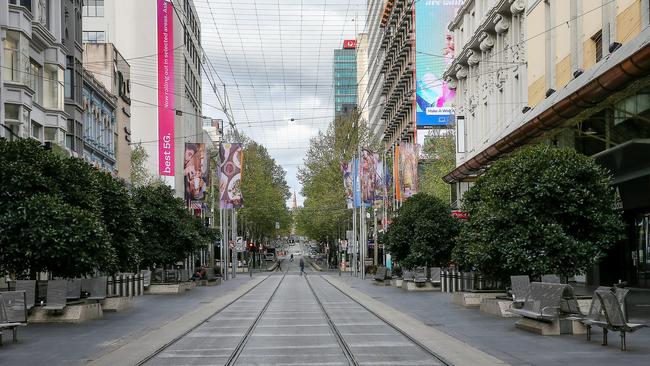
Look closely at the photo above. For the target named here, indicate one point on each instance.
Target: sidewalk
(499, 337)
(76, 344)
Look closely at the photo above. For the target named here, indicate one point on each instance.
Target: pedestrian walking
(302, 266)
(291, 259)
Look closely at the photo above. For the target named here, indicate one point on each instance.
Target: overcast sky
(275, 59)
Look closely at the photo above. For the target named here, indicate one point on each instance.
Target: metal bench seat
(57, 293)
(519, 286)
(29, 287)
(13, 312)
(96, 287)
(381, 274)
(420, 276)
(614, 317)
(547, 302)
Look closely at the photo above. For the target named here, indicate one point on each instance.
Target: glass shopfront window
(641, 253)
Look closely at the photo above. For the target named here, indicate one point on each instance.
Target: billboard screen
(230, 175)
(195, 172)
(165, 88)
(434, 48)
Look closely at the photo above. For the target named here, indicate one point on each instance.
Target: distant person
(291, 259)
(302, 266)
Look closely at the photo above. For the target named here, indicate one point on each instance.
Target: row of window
(93, 8)
(93, 37)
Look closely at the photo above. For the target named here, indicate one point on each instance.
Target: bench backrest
(611, 307)
(14, 308)
(551, 278)
(550, 299)
(146, 277)
(435, 274)
(520, 286)
(596, 310)
(158, 275)
(74, 289)
(57, 292)
(96, 287)
(407, 275)
(381, 273)
(29, 286)
(421, 274)
(183, 275)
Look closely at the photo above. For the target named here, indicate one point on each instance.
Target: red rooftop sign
(350, 43)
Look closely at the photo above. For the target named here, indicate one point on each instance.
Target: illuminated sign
(350, 43)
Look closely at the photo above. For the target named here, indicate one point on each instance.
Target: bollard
(122, 286)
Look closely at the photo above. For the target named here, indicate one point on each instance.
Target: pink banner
(165, 88)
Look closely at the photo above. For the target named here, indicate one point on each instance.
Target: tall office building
(345, 77)
(133, 27)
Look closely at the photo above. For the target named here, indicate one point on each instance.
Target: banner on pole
(408, 169)
(195, 173)
(166, 106)
(230, 175)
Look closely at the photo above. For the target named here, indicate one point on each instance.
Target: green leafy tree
(440, 153)
(169, 233)
(541, 210)
(140, 176)
(422, 233)
(121, 219)
(50, 213)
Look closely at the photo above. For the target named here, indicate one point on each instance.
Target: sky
(274, 60)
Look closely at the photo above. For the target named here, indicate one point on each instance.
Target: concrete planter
(497, 307)
(411, 286)
(396, 282)
(168, 289)
(115, 304)
(473, 299)
(70, 314)
(556, 327)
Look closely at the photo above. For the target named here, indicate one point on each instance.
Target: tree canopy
(440, 159)
(422, 233)
(541, 210)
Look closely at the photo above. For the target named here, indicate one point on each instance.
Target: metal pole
(363, 243)
(375, 256)
(354, 241)
(234, 239)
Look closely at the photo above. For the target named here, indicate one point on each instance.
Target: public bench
(547, 302)
(420, 276)
(97, 288)
(519, 286)
(381, 274)
(74, 289)
(57, 295)
(13, 312)
(614, 317)
(551, 278)
(435, 276)
(595, 316)
(29, 287)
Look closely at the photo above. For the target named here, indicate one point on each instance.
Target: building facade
(132, 27)
(32, 71)
(100, 124)
(375, 60)
(345, 77)
(362, 77)
(107, 65)
(567, 73)
(73, 86)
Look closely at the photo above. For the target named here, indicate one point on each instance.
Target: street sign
(277, 225)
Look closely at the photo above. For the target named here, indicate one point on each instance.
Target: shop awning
(627, 161)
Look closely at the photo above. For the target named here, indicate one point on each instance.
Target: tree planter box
(497, 307)
(168, 289)
(115, 304)
(396, 282)
(411, 286)
(70, 314)
(556, 327)
(473, 299)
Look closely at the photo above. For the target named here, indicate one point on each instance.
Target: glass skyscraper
(345, 78)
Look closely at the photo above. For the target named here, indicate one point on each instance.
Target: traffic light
(251, 246)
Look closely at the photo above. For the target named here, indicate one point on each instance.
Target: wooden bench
(614, 317)
(547, 302)
(13, 312)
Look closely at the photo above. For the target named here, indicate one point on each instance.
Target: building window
(12, 112)
(53, 85)
(26, 3)
(69, 86)
(16, 58)
(93, 37)
(44, 13)
(93, 8)
(37, 131)
(36, 81)
(598, 42)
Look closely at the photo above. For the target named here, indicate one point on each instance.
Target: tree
(140, 176)
(122, 222)
(422, 233)
(440, 153)
(50, 214)
(169, 233)
(541, 210)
